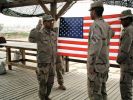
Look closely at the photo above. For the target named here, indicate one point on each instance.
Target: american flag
(74, 32)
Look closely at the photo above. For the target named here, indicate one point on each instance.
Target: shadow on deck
(21, 84)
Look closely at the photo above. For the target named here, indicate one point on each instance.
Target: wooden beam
(45, 9)
(53, 7)
(64, 8)
(20, 3)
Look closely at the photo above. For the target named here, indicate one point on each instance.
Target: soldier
(59, 60)
(59, 71)
(46, 40)
(125, 55)
(98, 54)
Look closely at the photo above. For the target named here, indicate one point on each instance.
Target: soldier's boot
(42, 97)
(61, 87)
(47, 98)
(49, 88)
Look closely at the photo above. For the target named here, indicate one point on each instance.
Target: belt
(131, 57)
(100, 63)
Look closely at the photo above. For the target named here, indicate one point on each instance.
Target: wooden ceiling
(19, 3)
(5, 4)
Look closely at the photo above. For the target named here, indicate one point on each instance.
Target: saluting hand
(39, 25)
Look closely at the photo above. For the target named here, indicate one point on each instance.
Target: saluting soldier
(125, 55)
(33, 37)
(98, 53)
(46, 40)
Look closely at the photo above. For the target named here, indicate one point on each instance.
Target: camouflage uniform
(59, 69)
(98, 59)
(33, 37)
(125, 59)
(46, 41)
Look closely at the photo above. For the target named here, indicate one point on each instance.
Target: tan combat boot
(62, 87)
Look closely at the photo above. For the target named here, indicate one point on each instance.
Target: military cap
(96, 4)
(126, 13)
(47, 17)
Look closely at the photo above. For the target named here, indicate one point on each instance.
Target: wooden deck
(21, 84)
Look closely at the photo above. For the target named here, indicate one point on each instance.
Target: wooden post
(53, 8)
(8, 53)
(67, 64)
(23, 55)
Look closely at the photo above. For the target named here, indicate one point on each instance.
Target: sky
(80, 9)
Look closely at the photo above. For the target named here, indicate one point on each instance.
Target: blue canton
(71, 27)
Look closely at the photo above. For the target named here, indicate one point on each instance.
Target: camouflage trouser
(97, 86)
(59, 68)
(45, 75)
(126, 82)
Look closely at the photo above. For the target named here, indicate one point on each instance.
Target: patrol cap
(47, 17)
(126, 13)
(96, 4)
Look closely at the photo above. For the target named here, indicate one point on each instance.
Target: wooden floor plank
(21, 84)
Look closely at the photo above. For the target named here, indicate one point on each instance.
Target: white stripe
(72, 45)
(113, 54)
(82, 46)
(112, 26)
(107, 20)
(88, 21)
(117, 33)
(86, 34)
(72, 39)
(72, 51)
(85, 27)
(113, 62)
(79, 58)
(115, 26)
(114, 47)
(112, 19)
(114, 40)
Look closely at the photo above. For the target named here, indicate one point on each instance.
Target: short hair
(99, 11)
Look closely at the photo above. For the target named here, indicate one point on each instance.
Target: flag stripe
(83, 49)
(114, 29)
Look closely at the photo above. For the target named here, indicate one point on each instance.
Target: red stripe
(114, 29)
(109, 22)
(114, 22)
(112, 58)
(83, 49)
(105, 16)
(113, 50)
(85, 37)
(72, 42)
(72, 48)
(111, 16)
(72, 55)
(86, 31)
(114, 44)
(82, 56)
(84, 43)
(87, 18)
(87, 24)
(115, 37)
